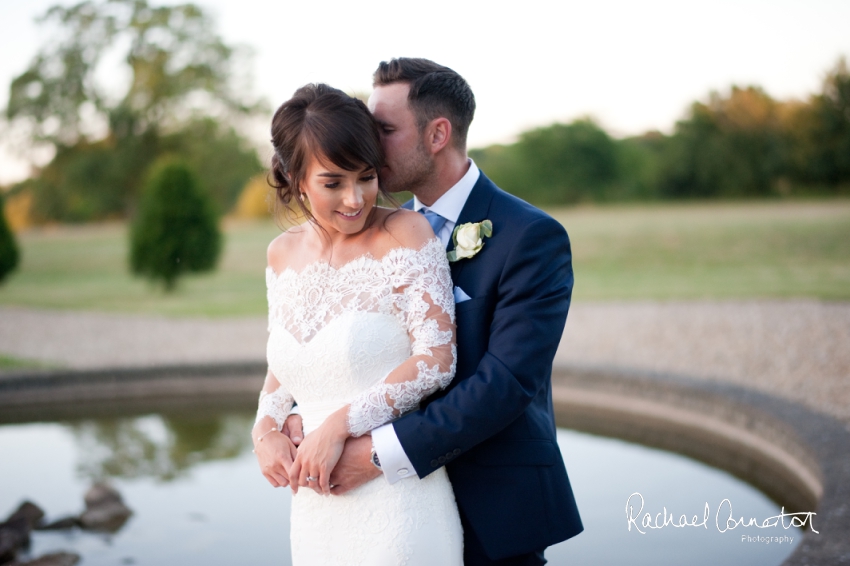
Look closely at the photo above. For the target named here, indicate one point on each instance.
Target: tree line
(164, 152)
(114, 152)
(182, 98)
(738, 144)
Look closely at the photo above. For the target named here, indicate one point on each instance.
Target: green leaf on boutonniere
(486, 228)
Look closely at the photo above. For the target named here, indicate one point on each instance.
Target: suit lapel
(475, 210)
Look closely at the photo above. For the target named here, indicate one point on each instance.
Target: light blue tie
(435, 220)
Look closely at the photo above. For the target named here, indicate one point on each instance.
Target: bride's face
(340, 200)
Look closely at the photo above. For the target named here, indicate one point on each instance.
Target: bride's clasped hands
(279, 450)
(318, 454)
(276, 451)
(288, 461)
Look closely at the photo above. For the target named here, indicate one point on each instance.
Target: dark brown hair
(434, 91)
(322, 121)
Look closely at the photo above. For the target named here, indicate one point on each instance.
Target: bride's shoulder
(282, 248)
(407, 228)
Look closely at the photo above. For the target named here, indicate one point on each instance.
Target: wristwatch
(375, 460)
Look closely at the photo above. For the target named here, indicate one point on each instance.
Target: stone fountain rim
(816, 446)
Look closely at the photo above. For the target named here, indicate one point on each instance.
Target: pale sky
(634, 66)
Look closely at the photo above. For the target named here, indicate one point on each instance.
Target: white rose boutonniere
(469, 239)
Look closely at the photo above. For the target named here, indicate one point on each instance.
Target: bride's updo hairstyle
(322, 121)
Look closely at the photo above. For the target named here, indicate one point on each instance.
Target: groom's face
(409, 166)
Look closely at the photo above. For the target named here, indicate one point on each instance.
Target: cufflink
(374, 458)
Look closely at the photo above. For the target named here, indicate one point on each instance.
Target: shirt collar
(451, 203)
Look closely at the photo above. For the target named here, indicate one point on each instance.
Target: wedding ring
(311, 478)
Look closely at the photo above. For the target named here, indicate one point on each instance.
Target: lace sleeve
(424, 303)
(275, 402)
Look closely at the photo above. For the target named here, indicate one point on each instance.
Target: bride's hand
(275, 454)
(318, 454)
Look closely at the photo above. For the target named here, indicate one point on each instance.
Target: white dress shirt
(394, 462)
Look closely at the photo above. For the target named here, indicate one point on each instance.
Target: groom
(493, 427)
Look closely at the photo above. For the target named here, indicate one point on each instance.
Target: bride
(361, 328)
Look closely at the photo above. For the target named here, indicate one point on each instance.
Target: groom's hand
(355, 466)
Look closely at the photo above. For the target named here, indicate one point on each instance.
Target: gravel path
(799, 350)
(86, 340)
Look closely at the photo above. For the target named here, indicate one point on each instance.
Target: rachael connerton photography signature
(724, 519)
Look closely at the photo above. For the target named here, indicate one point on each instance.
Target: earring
(301, 196)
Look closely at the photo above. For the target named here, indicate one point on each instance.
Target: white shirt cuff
(394, 462)
(295, 410)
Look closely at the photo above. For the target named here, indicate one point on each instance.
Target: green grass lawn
(662, 251)
(711, 251)
(85, 267)
(7, 362)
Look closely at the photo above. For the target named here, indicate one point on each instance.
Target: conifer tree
(9, 253)
(176, 227)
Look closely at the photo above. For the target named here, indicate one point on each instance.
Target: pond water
(198, 497)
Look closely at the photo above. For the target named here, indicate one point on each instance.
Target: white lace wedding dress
(375, 334)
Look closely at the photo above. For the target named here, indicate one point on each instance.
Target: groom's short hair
(435, 91)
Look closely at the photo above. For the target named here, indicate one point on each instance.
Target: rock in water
(100, 494)
(15, 531)
(13, 535)
(30, 512)
(105, 510)
(61, 524)
(53, 559)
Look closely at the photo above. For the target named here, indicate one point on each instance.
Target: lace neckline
(321, 265)
(305, 301)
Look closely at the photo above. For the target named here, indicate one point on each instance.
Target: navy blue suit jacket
(493, 427)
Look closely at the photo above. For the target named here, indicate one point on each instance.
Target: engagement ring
(311, 478)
